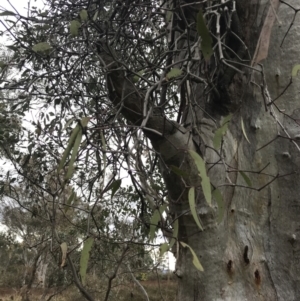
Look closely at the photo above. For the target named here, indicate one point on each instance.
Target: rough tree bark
(254, 253)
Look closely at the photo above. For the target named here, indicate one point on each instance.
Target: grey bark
(254, 254)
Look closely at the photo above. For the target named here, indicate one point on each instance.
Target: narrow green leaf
(7, 13)
(295, 70)
(178, 171)
(38, 130)
(246, 178)
(104, 148)
(115, 186)
(74, 154)
(169, 16)
(196, 261)
(175, 234)
(227, 120)
(220, 132)
(243, 129)
(64, 250)
(41, 47)
(174, 72)
(216, 194)
(205, 183)
(163, 249)
(69, 122)
(206, 40)
(84, 258)
(83, 15)
(193, 207)
(2, 65)
(74, 26)
(137, 77)
(69, 147)
(217, 140)
(155, 219)
(95, 15)
(69, 201)
(84, 121)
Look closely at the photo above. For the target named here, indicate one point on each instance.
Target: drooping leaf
(83, 15)
(84, 121)
(104, 148)
(163, 249)
(67, 151)
(243, 130)
(69, 122)
(41, 47)
(205, 181)
(216, 194)
(64, 250)
(175, 234)
(206, 40)
(196, 261)
(115, 186)
(174, 72)
(220, 132)
(38, 129)
(84, 258)
(74, 154)
(246, 178)
(2, 65)
(169, 16)
(95, 15)
(178, 171)
(295, 70)
(7, 13)
(136, 77)
(155, 219)
(193, 207)
(74, 26)
(69, 201)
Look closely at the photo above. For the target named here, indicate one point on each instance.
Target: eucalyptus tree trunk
(253, 254)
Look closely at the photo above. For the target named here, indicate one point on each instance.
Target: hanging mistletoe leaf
(206, 40)
(156, 217)
(295, 70)
(115, 187)
(84, 258)
(178, 171)
(246, 178)
(205, 181)
(216, 194)
(137, 77)
(163, 249)
(174, 72)
(220, 132)
(83, 15)
(175, 234)
(74, 26)
(41, 47)
(7, 13)
(69, 147)
(193, 207)
(70, 201)
(196, 261)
